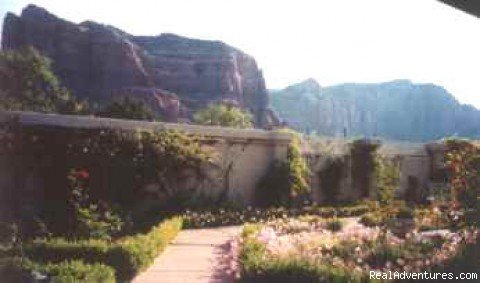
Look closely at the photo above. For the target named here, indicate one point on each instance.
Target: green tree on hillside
(224, 115)
(128, 108)
(28, 83)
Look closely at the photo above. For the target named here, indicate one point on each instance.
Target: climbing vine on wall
(387, 177)
(362, 153)
(157, 156)
(121, 162)
(331, 177)
(463, 163)
(287, 180)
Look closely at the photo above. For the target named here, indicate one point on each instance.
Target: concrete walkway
(198, 255)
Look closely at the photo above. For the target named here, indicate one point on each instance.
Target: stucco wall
(242, 158)
(418, 162)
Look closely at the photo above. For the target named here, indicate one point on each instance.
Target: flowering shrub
(298, 250)
(92, 219)
(225, 217)
(463, 162)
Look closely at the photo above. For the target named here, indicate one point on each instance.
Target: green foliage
(93, 220)
(334, 224)
(135, 253)
(381, 215)
(387, 175)
(27, 83)
(224, 115)
(331, 177)
(405, 212)
(362, 153)
(463, 162)
(221, 217)
(135, 159)
(127, 256)
(128, 108)
(298, 169)
(71, 271)
(373, 219)
(166, 155)
(286, 181)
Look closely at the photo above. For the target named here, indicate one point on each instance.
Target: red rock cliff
(101, 62)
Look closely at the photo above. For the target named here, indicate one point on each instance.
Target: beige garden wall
(418, 163)
(242, 157)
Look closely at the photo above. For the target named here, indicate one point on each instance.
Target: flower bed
(127, 256)
(222, 217)
(306, 251)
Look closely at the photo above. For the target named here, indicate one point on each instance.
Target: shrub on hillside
(224, 115)
(127, 108)
(28, 83)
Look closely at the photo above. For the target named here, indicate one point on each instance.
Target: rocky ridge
(176, 75)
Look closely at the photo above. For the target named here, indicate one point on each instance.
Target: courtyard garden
(94, 229)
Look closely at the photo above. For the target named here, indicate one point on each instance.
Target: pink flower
(81, 174)
(266, 235)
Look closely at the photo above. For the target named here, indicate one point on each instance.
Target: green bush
(372, 219)
(387, 176)
(27, 83)
(136, 253)
(127, 256)
(93, 220)
(334, 224)
(405, 212)
(128, 108)
(224, 115)
(382, 214)
(59, 249)
(71, 271)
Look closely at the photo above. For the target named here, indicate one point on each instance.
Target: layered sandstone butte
(177, 74)
(399, 110)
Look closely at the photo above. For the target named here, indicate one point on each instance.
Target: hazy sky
(333, 41)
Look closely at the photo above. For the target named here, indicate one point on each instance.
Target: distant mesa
(179, 75)
(399, 110)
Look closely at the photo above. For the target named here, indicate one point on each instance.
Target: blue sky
(332, 41)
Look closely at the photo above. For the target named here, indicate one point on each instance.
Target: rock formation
(397, 110)
(99, 62)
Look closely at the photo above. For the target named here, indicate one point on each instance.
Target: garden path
(196, 255)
